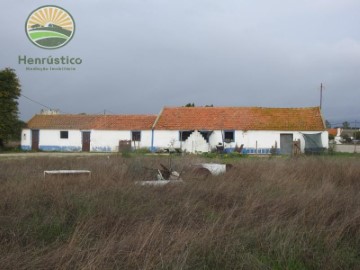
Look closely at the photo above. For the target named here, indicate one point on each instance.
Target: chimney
(50, 111)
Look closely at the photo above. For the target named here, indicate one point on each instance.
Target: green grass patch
(46, 34)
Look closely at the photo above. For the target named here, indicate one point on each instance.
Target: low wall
(347, 148)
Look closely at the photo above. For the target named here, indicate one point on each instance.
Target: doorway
(286, 144)
(86, 141)
(35, 140)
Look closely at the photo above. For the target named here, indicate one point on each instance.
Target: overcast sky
(141, 55)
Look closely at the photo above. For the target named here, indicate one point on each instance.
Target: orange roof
(332, 131)
(240, 118)
(99, 122)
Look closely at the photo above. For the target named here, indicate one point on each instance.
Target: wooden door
(35, 140)
(86, 141)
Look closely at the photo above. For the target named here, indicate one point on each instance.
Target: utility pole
(321, 89)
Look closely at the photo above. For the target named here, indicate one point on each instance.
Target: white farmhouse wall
(146, 136)
(254, 141)
(216, 138)
(49, 140)
(163, 138)
(108, 140)
(100, 140)
(325, 139)
(266, 139)
(258, 139)
(26, 139)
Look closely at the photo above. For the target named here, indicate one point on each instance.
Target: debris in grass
(164, 176)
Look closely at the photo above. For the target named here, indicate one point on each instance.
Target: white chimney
(50, 111)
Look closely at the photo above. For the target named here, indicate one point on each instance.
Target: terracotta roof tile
(99, 122)
(240, 118)
(332, 131)
(190, 118)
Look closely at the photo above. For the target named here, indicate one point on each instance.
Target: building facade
(96, 133)
(249, 130)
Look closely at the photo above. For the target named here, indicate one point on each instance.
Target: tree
(10, 90)
(346, 125)
(18, 127)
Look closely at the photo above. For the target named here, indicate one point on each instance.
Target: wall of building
(216, 138)
(108, 140)
(253, 142)
(26, 139)
(165, 138)
(49, 140)
(100, 140)
(263, 141)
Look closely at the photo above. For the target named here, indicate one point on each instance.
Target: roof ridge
(238, 107)
(97, 115)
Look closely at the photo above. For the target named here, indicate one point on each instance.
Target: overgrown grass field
(276, 213)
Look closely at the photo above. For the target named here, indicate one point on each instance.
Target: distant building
(336, 132)
(34, 26)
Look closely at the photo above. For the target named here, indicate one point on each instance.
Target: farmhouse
(101, 133)
(249, 130)
(252, 130)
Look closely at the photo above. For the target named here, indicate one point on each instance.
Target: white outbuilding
(103, 133)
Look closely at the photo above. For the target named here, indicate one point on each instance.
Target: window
(136, 136)
(206, 135)
(64, 134)
(229, 136)
(184, 135)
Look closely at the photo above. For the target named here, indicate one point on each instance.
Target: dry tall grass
(263, 214)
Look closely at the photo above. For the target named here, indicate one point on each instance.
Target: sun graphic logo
(50, 27)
